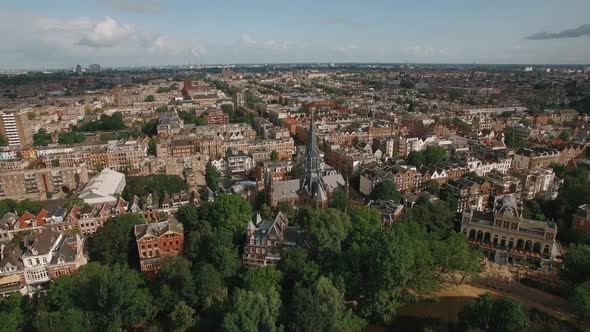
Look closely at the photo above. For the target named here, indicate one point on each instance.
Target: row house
(226, 132)
(469, 192)
(180, 148)
(483, 167)
(126, 155)
(529, 158)
(164, 238)
(39, 258)
(537, 181)
(405, 179)
(349, 160)
(280, 171)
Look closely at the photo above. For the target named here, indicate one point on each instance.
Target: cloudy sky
(61, 33)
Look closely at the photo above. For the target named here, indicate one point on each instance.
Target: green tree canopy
(212, 176)
(340, 200)
(321, 308)
(576, 265)
(327, 229)
(252, 312)
(141, 186)
(112, 297)
(436, 216)
(150, 99)
(114, 242)
(488, 314)
(71, 137)
(580, 301)
(41, 137)
(386, 190)
(182, 317)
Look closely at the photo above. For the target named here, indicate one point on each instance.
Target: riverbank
(441, 309)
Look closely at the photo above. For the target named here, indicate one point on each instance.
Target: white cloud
(249, 41)
(421, 51)
(107, 33)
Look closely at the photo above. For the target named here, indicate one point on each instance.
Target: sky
(113, 33)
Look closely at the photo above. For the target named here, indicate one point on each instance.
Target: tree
(266, 211)
(386, 190)
(71, 137)
(583, 105)
(175, 284)
(182, 317)
(223, 252)
(151, 128)
(114, 242)
(27, 205)
(580, 301)
(262, 279)
(141, 186)
(7, 205)
(11, 313)
(66, 320)
(115, 294)
(340, 201)
(486, 313)
(296, 267)
(576, 265)
(211, 289)
(231, 212)
(41, 137)
(476, 314)
(251, 312)
(212, 176)
(274, 156)
(432, 187)
(287, 209)
(401, 258)
(431, 156)
(507, 316)
(321, 308)
(3, 141)
(150, 99)
(436, 216)
(565, 136)
(455, 255)
(74, 201)
(327, 229)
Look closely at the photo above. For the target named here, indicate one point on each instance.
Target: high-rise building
(15, 127)
(94, 68)
(78, 69)
(238, 99)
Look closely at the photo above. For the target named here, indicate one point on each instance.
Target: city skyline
(153, 33)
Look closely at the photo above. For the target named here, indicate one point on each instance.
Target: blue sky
(59, 34)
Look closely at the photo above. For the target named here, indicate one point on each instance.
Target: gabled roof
(157, 229)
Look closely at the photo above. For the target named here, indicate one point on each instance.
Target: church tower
(312, 183)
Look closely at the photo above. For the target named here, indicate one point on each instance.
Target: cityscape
(309, 179)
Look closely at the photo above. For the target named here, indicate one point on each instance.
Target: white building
(103, 188)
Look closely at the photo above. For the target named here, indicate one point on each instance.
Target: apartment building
(16, 128)
(217, 117)
(37, 183)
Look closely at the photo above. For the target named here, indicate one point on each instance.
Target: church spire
(311, 164)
